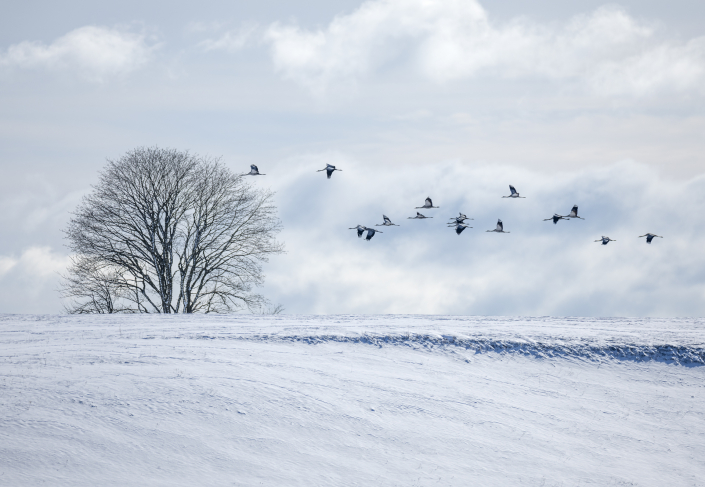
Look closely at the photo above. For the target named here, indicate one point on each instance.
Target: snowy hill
(350, 400)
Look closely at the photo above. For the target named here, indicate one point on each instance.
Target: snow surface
(351, 400)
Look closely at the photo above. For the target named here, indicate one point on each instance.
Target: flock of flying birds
(457, 222)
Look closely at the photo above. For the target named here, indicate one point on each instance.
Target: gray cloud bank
(607, 51)
(538, 269)
(424, 267)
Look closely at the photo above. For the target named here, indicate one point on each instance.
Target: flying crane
(459, 219)
(371, 233)
(254, 171)
(555, 218)
(329, 170)
(500, 228)
(460, 227)
(514, 193)
(650, 237)
(360, 229)
(427, 204)
(574, 213)
(605, 240)
(387, 222)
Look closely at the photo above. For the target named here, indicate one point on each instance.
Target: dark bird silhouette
(460, 227)
(418, 216)
(329, 170)
(650, 237)
(371, 233)
(555, 218)
(387, 222)
(514, 194)
(254, 171)
(359, 229)
(605, 240)
(459, 219)
(500, 228)
(427, 204)
(574, 213)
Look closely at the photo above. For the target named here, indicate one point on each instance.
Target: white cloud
(607, 50)
(35, 263)
(6, 264)
(232, 40)
(676, 66)
(42, 262)
(29, 282)
(94, 52)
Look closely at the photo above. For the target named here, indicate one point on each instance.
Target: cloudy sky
(583, 102)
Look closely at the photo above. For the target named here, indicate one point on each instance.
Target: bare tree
(269, 309)
(91, 286)
(175, 233)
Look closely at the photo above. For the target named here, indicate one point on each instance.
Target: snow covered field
(351, 400)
